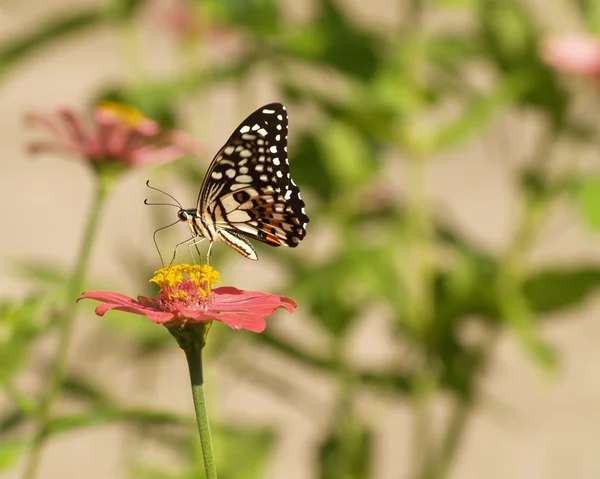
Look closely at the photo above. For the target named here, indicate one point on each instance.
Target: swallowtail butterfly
(248, 190)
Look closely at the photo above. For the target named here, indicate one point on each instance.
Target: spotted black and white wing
(248, 188)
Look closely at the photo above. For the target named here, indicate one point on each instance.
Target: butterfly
(248, 191)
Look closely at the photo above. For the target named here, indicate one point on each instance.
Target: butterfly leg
(188, 241)
(208, 253)
(195, 244)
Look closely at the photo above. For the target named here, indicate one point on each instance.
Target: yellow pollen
(127, 114)
(203, 276)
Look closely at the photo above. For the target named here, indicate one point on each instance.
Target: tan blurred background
(530, 426)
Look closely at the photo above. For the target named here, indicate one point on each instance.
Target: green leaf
(590, 15)
(333, 40)
(260, 17)
(480, 111)
(123, 9)
(371, 109)
(241, 453)
(510, 38)
(43, 273)
(25, 404)
(393, 88)
(305, 42)
(309, 167)
(463, 290)
(457, 3)
(328, 290)
(137, 417)
(518, 314)
(82, 389)
(10, 451)
(347, 47)
(557, 289)
(448, 54)
(347, 156)
(20, 325)
(394, 381)
(510, 27)
(587, 200)
(347, 451)
(12, 422)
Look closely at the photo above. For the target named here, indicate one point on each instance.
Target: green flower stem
(418, 276)
(461, 413)
(194, 360)
(74, 289)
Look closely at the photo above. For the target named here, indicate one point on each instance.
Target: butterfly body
(248, 189)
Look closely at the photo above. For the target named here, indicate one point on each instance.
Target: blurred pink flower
(576, 54)
(185, 20)
(187, 297)
(120, 134)
(194, 23)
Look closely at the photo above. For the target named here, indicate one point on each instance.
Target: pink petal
(117, 142)
(152, 302)
(576, 54)
(156, 156)
(105, 116)
(237, 308)
(135, 141)
(193, 314)
(74, 127)
(111, 134)
(37, 120)
(241, 320)
(185, 142)
(121, 302)
(62, 137)
(148, 127)
(102, 137)
(228, 298)
(180, 18)
(247, 309)
(40, 146)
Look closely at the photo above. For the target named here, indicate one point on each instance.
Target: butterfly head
(188, 216)
(184, 215)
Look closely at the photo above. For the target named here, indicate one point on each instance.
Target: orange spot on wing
(273, 239)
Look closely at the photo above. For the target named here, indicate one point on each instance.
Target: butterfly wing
(248, 188)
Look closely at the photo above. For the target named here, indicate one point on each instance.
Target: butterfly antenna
(156, 243)
(164, 193)
(146, 202)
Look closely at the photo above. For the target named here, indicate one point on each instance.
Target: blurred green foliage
(395, 251)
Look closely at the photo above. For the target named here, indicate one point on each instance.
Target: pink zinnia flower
(185, 20)
(187, 298)
(190, 23)
(120, 134)
(573, 54)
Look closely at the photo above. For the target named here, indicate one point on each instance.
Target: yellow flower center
(127, 114)
(185, 282)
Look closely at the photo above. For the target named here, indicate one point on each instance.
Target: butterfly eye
(183, 215)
